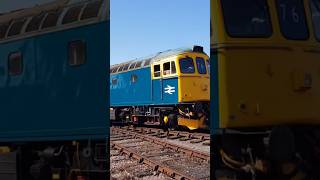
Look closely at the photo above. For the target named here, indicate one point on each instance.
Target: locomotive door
(157, 83)
(165, 82)
(169, 82)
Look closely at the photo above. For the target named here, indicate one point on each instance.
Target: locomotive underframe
(187, 115)
(67, 160)
(282, 152)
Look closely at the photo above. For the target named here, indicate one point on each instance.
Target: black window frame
(11, 57)
(138, 64)
(204, 63)
(316, 34)
(265, 36)
(181, 69)
(126, 67)
(281, 24)
(3, 29)
(173, 67)
(80, 45)
(88, 9)
(72, 15)
(121, 68)
(35, 23)
(132, 65)
(147, 62)
(51, 19)
(165, 71)
(157, 74)
(16, 27)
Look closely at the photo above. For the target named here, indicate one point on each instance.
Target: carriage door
(157, 94)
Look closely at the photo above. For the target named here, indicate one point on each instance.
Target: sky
(140, 28)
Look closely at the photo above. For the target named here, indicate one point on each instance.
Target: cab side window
(292, 19)
(156, 70)
(201, 65)
(247, 18)
(169, 68)
(166, 68)
(187, 65)
(173, 67)
(315, 11)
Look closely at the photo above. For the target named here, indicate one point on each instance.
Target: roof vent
(198, 49)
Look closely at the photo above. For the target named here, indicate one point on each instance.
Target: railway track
(156, 155)
(125, 167)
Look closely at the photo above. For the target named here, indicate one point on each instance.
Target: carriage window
(15, 65)
(114, 70)
(247, 18)
(156, 70)
(134, 78)
(3, 30)
(34, 24)
(51, 19)
(16, 28)
(77, 53)
(132, 65)
(138, 64)
(120, 69)
(201, 65)
(187, 65)
(315, 11)
(114, 81)
(292, 19)
(91, 10)
(173, 67)
(72, 15)
(147, 62)
(125, 67)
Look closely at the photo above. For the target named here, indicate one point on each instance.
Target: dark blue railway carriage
(53, 90)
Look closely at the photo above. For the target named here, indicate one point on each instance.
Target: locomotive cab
(184, 80)
(265, 74)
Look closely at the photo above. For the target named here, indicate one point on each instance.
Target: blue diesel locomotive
(171, 88)
(53, 91)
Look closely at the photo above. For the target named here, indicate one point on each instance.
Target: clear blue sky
(144, 27)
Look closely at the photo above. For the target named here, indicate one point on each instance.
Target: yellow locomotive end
(194, 86)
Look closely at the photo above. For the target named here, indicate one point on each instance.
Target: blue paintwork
(52, 100)
(144, 91)
(214, 94)
(161, 91)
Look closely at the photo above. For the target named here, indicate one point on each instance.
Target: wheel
(163, 125)
(173, 121)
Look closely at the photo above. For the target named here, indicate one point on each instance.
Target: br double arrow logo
(169, 89)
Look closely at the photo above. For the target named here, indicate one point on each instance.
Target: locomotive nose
(204, 87)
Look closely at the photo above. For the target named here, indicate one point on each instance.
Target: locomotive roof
(146, 61)
(57, 15)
